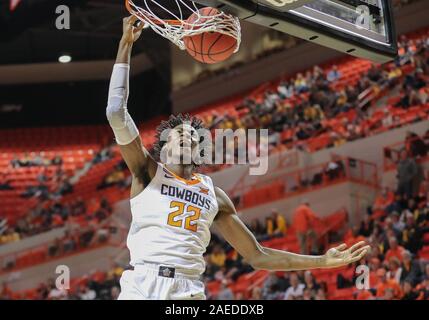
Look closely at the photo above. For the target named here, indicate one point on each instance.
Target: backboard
(363, 28)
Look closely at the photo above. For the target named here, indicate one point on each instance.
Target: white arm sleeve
(123, 126)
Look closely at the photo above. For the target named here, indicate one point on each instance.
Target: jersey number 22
(175, 220)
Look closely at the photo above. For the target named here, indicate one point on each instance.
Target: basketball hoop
(174, 26)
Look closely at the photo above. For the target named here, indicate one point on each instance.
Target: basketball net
(177, 27)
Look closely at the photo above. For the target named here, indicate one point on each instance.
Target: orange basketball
(209, 47)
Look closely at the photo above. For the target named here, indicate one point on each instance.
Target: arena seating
(78, 146)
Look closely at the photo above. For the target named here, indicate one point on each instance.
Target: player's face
(185, 137)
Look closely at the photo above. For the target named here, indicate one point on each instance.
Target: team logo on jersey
(167, 175)
(204, 190)
(166, 272)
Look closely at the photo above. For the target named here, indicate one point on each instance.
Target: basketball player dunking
(173, 207)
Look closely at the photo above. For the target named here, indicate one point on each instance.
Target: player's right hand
(131, 32)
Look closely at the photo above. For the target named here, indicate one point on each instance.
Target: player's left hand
(341, 256)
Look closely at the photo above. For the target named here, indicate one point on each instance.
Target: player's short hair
(172, 122)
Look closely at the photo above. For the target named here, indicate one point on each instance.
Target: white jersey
(171, 221)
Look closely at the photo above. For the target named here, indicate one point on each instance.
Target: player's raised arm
(126, 133)
(238, 235)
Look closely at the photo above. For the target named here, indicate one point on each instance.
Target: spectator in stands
(258, 229)
(412, 235)
(320, 295)
(285, 90)
(225, 293)
(311, 283)
(296, 289)
(218, 256)
(415, 145)
(335, 168)
(409, 292)
(395, 250)
(103, 155)
(116, 177)
(57, 161)
(395, 269)
(42, 178)
(5, 182)
(301, 84)
(114, 293)
(276, 225)
(406, 173)
(304, 220)
(387, 284)
(366, 226)
(87, 294)
(382, 201)
(9, 236)
(15, 163)
(334, 74)
(6, 293)
(256, 293)
(68, 242)
(410, 269)
(65, 187)
(269, 288)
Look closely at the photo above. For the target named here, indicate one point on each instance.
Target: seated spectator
(6, 293)
(425, 276)
(225, 293)
(87, 294)
(285, 90)
(409, 293)
(296, 289)
(301, 84)
(26, 161)
(276, 225)
(258, 229)
(65, 188)
(69, 242)
(395, 250)
(423, 290)
(334, 74)
(114, 293)
(117, 177)
(352, 236)
(15, 163)
(366, 226)
(320, 295)
(57, 161)
(412, 235)
(415, 145)
(311, 283)
(410, 269)
(218, 256)
(9, 236)
(269, 286)
(335, 169)
(103, 155)
(395, 269)
(385, 284)
(397, 223)
(364, 295)
(5, 182)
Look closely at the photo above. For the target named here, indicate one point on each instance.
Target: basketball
(209, 47)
